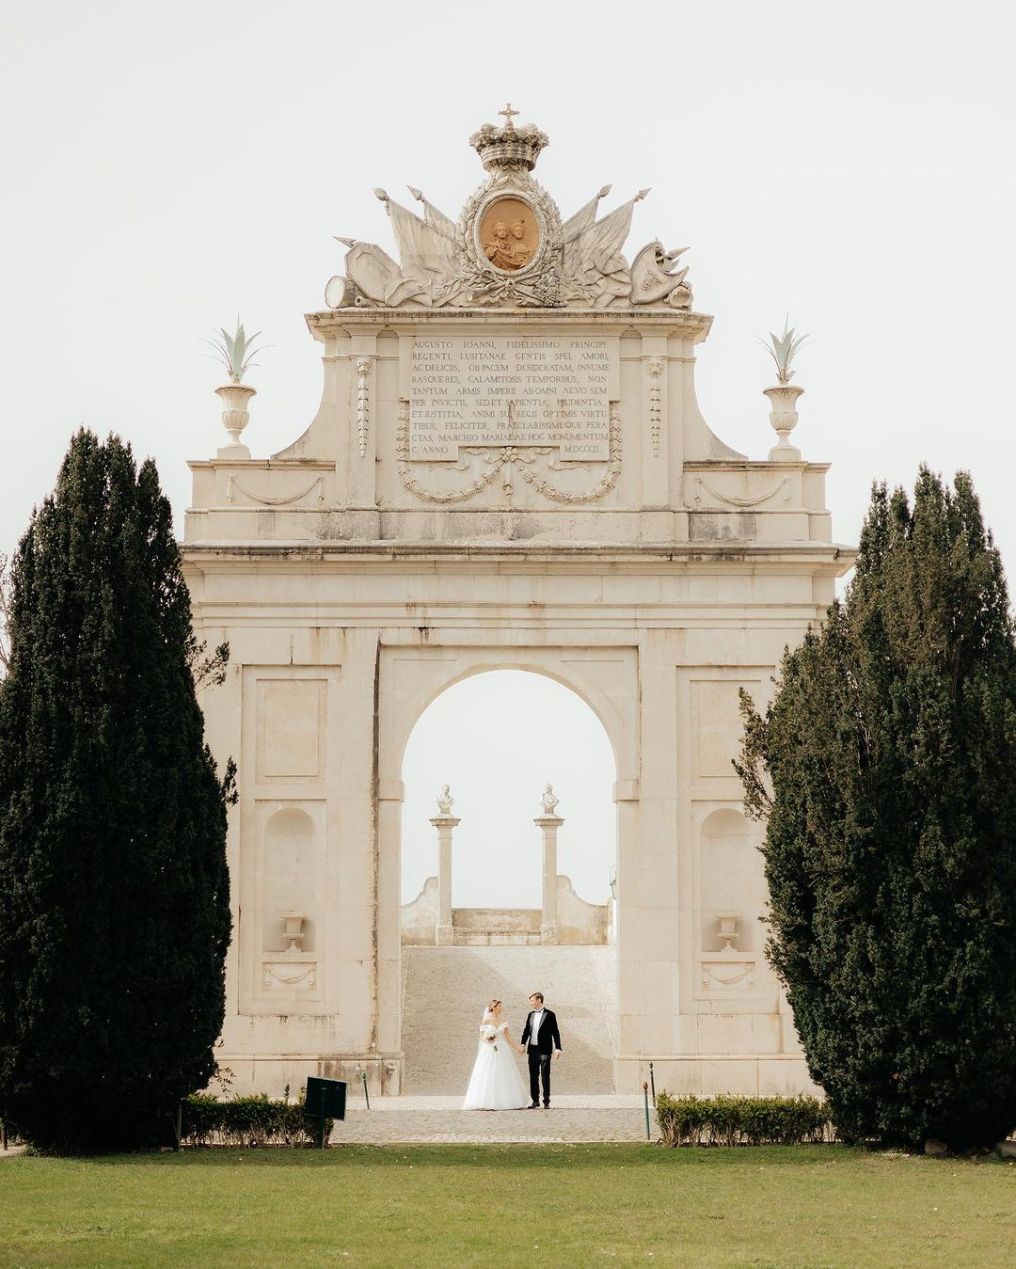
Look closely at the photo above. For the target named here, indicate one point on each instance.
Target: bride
(495, 1083)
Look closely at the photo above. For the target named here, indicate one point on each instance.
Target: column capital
(445, 821)
(549, 821)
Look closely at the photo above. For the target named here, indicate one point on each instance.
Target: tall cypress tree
(885, 769)
(114, 906)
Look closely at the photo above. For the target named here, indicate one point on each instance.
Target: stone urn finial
(236, 352)
(292, 928)
(235, 416)
(727, 927)
(783, 394)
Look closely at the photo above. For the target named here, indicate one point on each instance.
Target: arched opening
(508, 887)
(497, 739)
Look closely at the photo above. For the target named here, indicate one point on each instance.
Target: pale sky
(498, 739)
(166, 167)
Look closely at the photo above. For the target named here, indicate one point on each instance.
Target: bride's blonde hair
(493, 1004)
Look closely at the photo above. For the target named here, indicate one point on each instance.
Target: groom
(540, 1038)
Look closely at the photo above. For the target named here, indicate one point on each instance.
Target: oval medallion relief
(509, 234)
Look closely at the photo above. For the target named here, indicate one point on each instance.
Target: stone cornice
(769, 467)
(387, 553)
(260, 464)
(331, 322)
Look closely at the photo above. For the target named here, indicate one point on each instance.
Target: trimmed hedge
(246, 1121)
(742, 1121)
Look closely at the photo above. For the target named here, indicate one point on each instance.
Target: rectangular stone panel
(495, 390)
(290, 728)
(289, 976)
(716, 727)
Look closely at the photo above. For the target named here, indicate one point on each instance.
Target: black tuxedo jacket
(548, 1038)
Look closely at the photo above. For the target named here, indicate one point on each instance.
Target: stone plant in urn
(236, 352)
(783, 395)
(510, 247)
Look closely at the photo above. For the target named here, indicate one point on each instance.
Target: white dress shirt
(535, 1027)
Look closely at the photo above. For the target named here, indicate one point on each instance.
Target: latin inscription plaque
(496, 390)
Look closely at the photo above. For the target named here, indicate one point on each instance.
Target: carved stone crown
(509, 147)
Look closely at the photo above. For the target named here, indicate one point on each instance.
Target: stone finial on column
(548, 823)
(445, 823)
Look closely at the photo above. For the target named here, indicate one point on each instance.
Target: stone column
(444, 933)
(548, 826)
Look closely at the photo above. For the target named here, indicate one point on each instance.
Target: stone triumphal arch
(508, 469)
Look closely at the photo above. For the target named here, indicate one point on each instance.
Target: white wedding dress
(495, 1083)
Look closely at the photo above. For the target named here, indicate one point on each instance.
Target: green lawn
(509, 1205)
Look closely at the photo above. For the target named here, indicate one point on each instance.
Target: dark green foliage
(114, 910)
(741, 1121)
(886, 769)
(247, 1121)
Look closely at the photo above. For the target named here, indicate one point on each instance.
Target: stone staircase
(445, 990)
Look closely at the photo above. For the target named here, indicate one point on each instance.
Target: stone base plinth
(253, 1073)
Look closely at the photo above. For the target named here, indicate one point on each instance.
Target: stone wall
(579, 923)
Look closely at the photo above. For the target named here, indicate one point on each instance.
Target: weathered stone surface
(356, 577)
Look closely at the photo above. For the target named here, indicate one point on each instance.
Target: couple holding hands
(495, 1083)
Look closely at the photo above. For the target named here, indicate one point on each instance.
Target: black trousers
(539, 1067)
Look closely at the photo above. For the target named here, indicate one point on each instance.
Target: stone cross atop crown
(509, 147)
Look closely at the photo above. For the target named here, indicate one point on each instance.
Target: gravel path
(393, 1120)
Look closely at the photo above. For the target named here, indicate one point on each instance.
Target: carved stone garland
(781, 486)
(510, 455)
(275, 973)
(363, 365)
(606, 483)
(410, 482)
(655, 366)
(233, 484)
